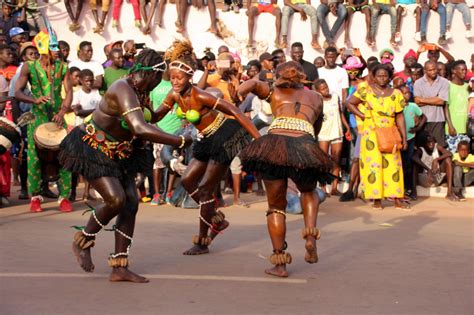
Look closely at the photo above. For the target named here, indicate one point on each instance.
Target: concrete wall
(198, 22)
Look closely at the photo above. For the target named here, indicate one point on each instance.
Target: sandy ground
(371, 262)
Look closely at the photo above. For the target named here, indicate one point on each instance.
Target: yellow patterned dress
(381, 173)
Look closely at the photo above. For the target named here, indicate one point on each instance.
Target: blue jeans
(461, 7)
(322, 12)
(442, 20)
(383, 9)
(288, 11)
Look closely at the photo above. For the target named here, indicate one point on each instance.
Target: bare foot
(377, 204)
(311, 255)
(224, 225)
(83, 257)
(197, 250)
(241, 203)
(283, 45)
(123, 274)
(316, 45)
(278, 270)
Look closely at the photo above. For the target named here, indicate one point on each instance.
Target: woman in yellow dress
(381, 174)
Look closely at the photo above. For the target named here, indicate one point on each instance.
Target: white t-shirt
(3, 85)
(337, 79)
(92, 65)
(87, 101)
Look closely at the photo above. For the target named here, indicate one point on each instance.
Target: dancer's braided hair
(290, 75)
(146, 58)
(182, 51)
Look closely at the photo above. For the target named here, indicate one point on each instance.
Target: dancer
(220, 140)
(101, 151)
(289, 151)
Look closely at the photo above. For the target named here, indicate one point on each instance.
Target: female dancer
(289, 150)
(101, 151)
(220, 139)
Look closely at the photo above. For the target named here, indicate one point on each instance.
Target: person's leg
(341, 17)
(260, 190)
(367, 14)
(64, 183)
(285, 17)
(15, 170)
(211, 4)
(408, 165)
(276, 223)
(393, 21)
(457, 179)
(466, 14)
(74, 182)
(336, 149)
(124, 228)
(442, 20)
(161, 11)
(236, 170)
(324, 146)
(114, 197)
(373, 23)
(252, 14)
(313, 18)
(468, 178)
(322, 12)
(209, 218)
(310, 205)
(423, 23)
(400, 11)
(449, 15)
(277, 13)
(24, 180)
(447, 167)
(350, 13)
(417, 19)
(117, 5)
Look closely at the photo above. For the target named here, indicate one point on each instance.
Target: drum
(9, 134)
(48, 137)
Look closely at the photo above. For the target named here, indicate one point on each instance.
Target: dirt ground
(371, 262)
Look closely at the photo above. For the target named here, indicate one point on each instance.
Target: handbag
(388, 138)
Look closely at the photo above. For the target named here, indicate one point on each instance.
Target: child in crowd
(84, 102)
(463, 169)
(435, 165)
(331, 132)
(414, 121)
(70, 118)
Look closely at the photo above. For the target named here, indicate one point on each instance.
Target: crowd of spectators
(433, 102)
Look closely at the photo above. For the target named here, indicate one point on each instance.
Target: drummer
(47, 106)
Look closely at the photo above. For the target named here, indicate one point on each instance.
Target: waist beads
(98, 139)
(291, 123)
(214, 126)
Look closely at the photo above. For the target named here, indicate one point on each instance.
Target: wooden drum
(48, 137)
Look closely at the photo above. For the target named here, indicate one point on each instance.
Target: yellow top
(469, 159)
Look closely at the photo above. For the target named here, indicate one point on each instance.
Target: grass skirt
(78, 157)
(223, 145)
(281, 157)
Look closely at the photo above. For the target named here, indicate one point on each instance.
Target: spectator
(411, 7)
(17, 37)
(354, 6)
(305, 9)
(335, 76)
(463, 169)
(456, 128)
(409, 60)
(129, 52)
(74, 13)
(319, 62)
(435, 52)
(437, 6)
(384, 7)
(337, 8)
(253, 68)
(331, 133)
(3, 38)
(5, 172)
(7, 68)
(463, 8)
(386, 56)
(431, 94)
(309, 69)
(280, 57)
(222, 49)
(108, 48)
(267, 61)
(7, 20)
(85, 62)
(182, 7)
(263, 6)
(100, 22)
(432, 165)
(442, 69)
(64, 50)
(377, 104)
(116, 70)
(414, 121)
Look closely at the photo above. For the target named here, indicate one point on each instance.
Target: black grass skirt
(78, 157)
(297, 158)
(223, 145)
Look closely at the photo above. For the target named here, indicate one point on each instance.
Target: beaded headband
(181, 66)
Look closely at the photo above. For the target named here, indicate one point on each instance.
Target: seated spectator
(411, 7)
(331, 133)
(463, 8)
(384, 7)
(432, 165)
(305, 9)
(414, 121)
(263, 6)
(117, 70)
(463, 169)
(456, 129)
(182, 7)
(426, 7)
(354, 6)
(235, 5)
(337, 8)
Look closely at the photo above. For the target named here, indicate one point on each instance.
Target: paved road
(371, 262)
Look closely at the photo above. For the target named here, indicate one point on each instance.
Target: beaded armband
(291, 123)
(131, 110)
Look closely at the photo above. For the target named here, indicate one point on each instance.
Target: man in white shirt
(85, 62)
(335, 76)
(86, 99)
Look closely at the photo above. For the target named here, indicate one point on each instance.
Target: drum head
(49, 136)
